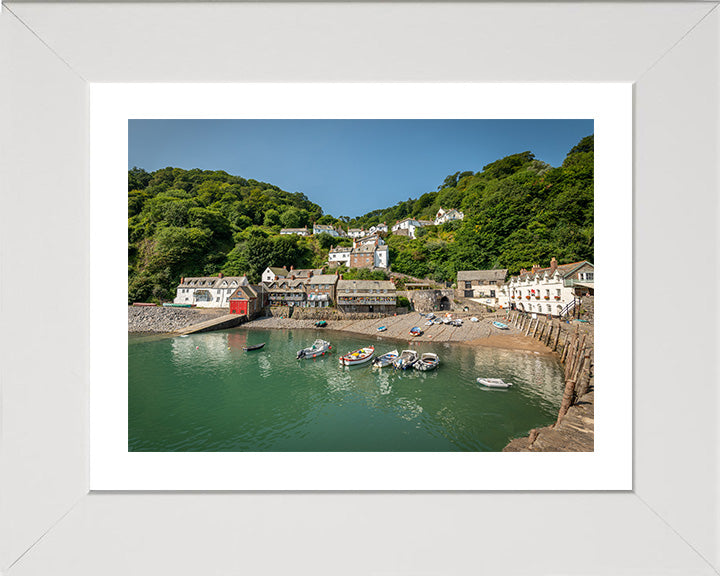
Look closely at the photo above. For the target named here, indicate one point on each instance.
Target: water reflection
(204, 392)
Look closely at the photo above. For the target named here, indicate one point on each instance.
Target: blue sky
(349, 167)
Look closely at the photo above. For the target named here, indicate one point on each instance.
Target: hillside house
(208, 291)
(295, 231)
(327, 229)
(482, 286)
(377, 296)
(273, 273)
(381, 227)
(369, 253)
(356, 233)
(303, 273)
(320, 290)
(249, 300)
(554, 290)
(339, 255)
(410, 225)
(373, 239)
(443, 216)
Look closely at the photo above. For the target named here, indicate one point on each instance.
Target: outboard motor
(300, 354)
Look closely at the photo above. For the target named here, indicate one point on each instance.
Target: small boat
(429, 323)
(430, 316)
(456, 323)
(446, 320)
(494, 382)
(385, 360)
(406, 359)
(500, 325)
(254, 347)
(358, 356)
(172, 305)
(382, 328)
(474, 319)
(427, 361)
(415, 331)
(319, 348)
(320, 324)
(436, 321)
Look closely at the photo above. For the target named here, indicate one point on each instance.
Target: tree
(294, 218)
(272, 218)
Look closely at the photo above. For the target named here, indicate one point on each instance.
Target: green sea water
(205, 393)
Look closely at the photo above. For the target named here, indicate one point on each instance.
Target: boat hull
(358, 357)
(493, 383)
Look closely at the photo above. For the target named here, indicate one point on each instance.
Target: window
(586, 275)
(468, 285)
(492, 293)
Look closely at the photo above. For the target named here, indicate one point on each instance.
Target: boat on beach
(428, 361)
(382, 328)
(254, 347)
(320, 324)
(319, 348)
(385, 360)
(415, 331)
(500, 325)
(494, 382)
(358, 356)
(406, 359)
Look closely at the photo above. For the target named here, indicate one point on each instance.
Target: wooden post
(569, 393)
(537, 323)
(557, 337)
(584, 378)
(549, 335)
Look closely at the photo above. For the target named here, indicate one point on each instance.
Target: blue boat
(500, 325)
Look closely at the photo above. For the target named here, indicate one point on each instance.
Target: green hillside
(518, 212)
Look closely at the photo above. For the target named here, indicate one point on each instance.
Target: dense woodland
(519, 211)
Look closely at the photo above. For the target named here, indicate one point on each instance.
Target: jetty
(220, 323)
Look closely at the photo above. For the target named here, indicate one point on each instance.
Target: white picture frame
(668, 524)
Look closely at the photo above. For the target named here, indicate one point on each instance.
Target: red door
(238, 307)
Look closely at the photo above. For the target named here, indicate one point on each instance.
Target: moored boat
(494, 382)
(474, 319)
(385, 360)
(382, 328)
(428, 323)
(415, 331)
(171, 305)
(319, 348)
(406, 359)
(358, 356)
(500, 325)
(428, 361)
(320, 324)
(254, 347)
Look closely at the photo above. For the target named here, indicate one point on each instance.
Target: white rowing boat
(358, 356)
(494, 382)
(319, 348)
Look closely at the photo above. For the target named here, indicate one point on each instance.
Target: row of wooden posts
(576, 352)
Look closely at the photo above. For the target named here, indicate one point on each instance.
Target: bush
(403, 302)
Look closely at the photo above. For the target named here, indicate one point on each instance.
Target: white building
(382, 227)
(208, 291)
(356, 232)
(382, 257)
(443, 215)
(339, 255)
(296, 231)
(323, 228)
(550, 290)
(409, 224)
(372, 239)
(272, 273)
(481, 286)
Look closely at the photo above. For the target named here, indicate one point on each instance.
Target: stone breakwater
(156, 319)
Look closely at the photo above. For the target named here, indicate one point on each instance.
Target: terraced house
(554, 290)
(320, 290)
(481, 286)
(366, 296)
(208, 291)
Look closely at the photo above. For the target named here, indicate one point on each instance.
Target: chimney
(182, 280)
(341, 277)
(553, 265)
(220, 275)
(535, 268)
(292, 268)
(523, 271)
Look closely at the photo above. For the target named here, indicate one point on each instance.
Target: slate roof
(486, 275)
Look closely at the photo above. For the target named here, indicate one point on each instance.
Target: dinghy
(254, 347)
(382, 328)
(319, 348)
(415, 331)
(320, 324)
(474, 319)
(494, 382)
(500, 325)
(358, 356)
(406, 359)
(385, 360)
(427, 361)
